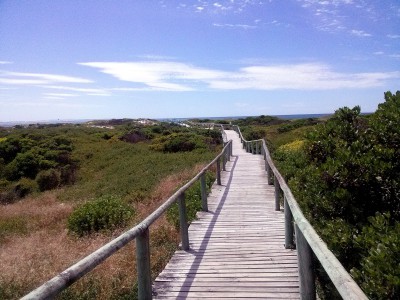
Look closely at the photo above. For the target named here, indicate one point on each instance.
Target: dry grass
(44, 248)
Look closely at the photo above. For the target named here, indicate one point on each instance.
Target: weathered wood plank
(237, 247)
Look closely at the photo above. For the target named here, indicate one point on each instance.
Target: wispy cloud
(241, 26)
(337, 15)
(393, 36)
(38, 78)
(3, 62)
(87, 91)
(217, 7)
(360, 33)
(63, 95)
(180, 77)
(161, 75)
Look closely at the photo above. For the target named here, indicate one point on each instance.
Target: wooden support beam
(204, 202)
(143, 265)
(277, 194)
(183, 222)
(289, 227)
(306, 268)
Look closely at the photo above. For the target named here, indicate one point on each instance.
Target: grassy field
(35, 243)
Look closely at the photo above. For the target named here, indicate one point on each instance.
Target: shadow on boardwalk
(237, 248)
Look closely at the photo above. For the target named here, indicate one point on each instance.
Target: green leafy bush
(180, 142)
(104, 213)
(379, 271)
(48, 179)
(260, 120)
(297, 124)
(26, 186)
(193, 202)
(347, 182)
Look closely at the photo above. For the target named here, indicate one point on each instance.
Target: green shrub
(346, 180)
(104, 213)
(180, 142)
(25, 186)
(297, 124)
(48, 179)
(193, 202)
(379, 243)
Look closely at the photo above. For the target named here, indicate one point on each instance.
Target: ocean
(287, 117)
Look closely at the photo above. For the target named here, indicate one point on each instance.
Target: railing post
(218, 172)
(289, 242)
(257, 148)
(143, 265)
(277, 193)
(306, 268)
(262, 149)
(224, 160)
(269, 173)
(204, 202)
(183, 222)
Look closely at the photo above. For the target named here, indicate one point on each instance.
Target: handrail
(307, 239)
(141, 233)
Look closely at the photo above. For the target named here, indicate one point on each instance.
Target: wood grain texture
(236, 248)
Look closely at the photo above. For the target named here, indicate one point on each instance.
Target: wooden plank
(237, 247)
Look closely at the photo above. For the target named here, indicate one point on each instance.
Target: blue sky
(70, 59)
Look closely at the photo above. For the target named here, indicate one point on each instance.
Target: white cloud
(393, 36)
(178, 77)
(60, 95)
(338, 15)
(38, 78)
(88, 91)
(3, 62)
(155, 75)
(241, 26)
(360, 33)
(221, 6)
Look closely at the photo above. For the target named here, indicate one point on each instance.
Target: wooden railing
(140, 233)
(301, 235)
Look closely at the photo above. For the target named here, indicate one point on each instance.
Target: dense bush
(193, 202)
(261, 120)
(26, 186)
(297, 124)
(252, 133)
(379, 271)
(183, 142)
(48, 179)
(107, 212)
(347, 181)
(35, 153)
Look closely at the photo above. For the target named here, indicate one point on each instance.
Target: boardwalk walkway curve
(237, 247)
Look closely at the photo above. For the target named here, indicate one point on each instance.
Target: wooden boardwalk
(237, 248)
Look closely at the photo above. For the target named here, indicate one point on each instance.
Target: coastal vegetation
(345, 174)
(66, 190)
